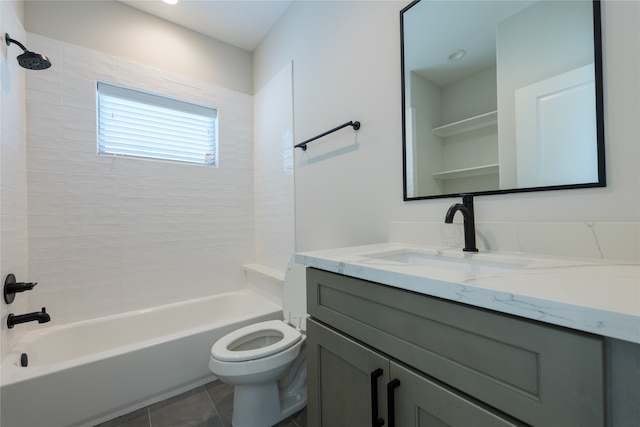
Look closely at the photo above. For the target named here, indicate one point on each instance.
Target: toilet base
(262, 406)
(266, 404)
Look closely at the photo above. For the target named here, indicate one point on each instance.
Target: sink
(472, 263)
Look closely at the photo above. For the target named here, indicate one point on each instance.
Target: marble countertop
(588, 295)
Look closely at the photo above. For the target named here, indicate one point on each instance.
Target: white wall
(347, 67)
(13, 167)
(117, 29)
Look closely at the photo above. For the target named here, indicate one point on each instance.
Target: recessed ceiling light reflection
(458, 54)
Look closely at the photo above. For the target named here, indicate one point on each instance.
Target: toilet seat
(284, 335)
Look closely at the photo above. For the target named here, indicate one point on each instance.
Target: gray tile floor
(208, 406)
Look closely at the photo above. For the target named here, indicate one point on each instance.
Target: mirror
(501, 96)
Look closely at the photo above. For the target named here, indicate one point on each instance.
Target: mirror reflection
(501, 96)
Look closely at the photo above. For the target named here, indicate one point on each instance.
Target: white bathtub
(87, 372)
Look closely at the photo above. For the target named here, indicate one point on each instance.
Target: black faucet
(466, 208)
(40, 316)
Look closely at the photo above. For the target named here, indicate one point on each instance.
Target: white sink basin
(472, 263)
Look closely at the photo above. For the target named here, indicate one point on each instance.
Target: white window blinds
(141, 124)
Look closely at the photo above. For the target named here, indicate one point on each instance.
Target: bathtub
(83, 373)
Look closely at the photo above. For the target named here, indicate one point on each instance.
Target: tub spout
(39, 316)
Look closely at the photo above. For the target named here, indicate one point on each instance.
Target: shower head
(33, 61)
(29, 60)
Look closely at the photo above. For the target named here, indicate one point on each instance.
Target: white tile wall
(108, 235)
(13, 166)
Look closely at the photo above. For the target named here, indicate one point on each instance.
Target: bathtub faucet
(40, 316)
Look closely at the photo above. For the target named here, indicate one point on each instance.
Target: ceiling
(456, 25)
(241, 23)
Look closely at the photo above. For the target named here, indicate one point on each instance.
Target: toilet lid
(255, 341)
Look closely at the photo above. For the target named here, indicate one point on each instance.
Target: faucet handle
(22, 286)
(11, 287)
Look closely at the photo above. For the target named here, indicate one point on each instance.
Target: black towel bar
(303, 145)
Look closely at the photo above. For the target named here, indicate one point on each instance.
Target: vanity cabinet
(382, 354)
(353, 385)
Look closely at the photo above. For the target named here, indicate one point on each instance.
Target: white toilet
(266, 361)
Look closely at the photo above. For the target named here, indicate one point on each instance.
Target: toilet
(266, 361)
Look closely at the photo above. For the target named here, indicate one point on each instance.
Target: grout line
(214, 406)
(211, 400)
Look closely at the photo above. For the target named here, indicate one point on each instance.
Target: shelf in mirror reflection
(467, 172)
(466, 125)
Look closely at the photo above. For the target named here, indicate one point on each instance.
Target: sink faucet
(466, 208)
(39, 316)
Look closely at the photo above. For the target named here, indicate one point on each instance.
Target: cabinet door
(421, 402)
(341, 375)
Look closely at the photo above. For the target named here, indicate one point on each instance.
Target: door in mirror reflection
(556, 130)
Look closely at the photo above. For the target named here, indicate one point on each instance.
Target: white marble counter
(588, 295)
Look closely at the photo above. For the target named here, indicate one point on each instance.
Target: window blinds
(141, 124)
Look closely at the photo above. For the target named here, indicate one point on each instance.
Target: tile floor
(206, 406)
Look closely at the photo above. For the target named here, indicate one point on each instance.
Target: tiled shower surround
(13, 183)
(108, 235)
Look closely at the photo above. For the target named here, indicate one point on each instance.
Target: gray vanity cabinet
(343, 372)
(441, 363)
(422, 402)
(342, 390)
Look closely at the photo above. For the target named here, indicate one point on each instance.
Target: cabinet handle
(375, 421)
(391, 401)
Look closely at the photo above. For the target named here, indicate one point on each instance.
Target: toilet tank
(294, 295)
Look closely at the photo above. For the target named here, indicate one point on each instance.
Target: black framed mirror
(501, 96)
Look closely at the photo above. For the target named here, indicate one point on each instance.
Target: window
(134, 123)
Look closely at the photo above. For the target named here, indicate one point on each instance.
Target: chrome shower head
(29, 60)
